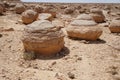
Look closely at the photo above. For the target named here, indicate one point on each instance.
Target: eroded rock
(84, 29)
(43, 37)
(115, 26)
(19, 8)
(29, 16)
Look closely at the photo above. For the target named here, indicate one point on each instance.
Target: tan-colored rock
(45, 16)
(84, 29)
(39, 9)
(51, 11)
(19, 8)
(115, 26)
(68, 10)
(97, 15)
(84, 17)
(29, 16)
(43, 37)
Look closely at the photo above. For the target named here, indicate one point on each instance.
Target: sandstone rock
(43, 37)
(84, 29)
(69, 10)
(39, 9)
(97, 15)
(115, 26)
(45, 16)
(19, 8)
(29, 16)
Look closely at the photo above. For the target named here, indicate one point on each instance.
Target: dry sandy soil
(84, 60)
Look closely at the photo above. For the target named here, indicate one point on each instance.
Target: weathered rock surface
(69, 10)
(97, 15)
(84, 29)
(45, 16)
(115, 26)
(43, 37)
(1, 9)
(29, 16)
(19, 8)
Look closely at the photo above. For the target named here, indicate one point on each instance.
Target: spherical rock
(45, 16)
(97, 15)
(115, 26)
(39, 9)
(19, 8)
(86, 29)
(43, 37)
(29, 16)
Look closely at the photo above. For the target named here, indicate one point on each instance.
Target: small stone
(71, 75)
(29, 55)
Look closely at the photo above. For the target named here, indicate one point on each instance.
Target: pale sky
(78, 1)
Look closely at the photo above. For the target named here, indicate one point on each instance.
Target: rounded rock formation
(39, 9)
(97, 15)
(29, 16)
(19, 8)
(115, 26)
(84, 28)
(69, 10)
(43, 37)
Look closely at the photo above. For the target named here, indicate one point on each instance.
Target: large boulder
(29, 16)
(82, 28)
(45, 16)
(19, 8)
(115, 26)
(50, 10)
(43, 37)
(97, 15)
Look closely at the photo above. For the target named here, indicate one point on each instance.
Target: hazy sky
(88, 1)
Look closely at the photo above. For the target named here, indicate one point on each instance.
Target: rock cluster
(84, 27)
(43, 37)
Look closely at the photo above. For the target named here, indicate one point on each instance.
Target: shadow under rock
(64, 52)
(98, 41)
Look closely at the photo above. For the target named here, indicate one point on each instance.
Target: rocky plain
(59, 41)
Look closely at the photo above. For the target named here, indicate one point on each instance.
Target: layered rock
(43, 37)
(29, 16)
(19, 8)
(97, 15)
(115, 26)
(84, 28)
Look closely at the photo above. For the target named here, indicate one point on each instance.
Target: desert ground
(78, 60)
